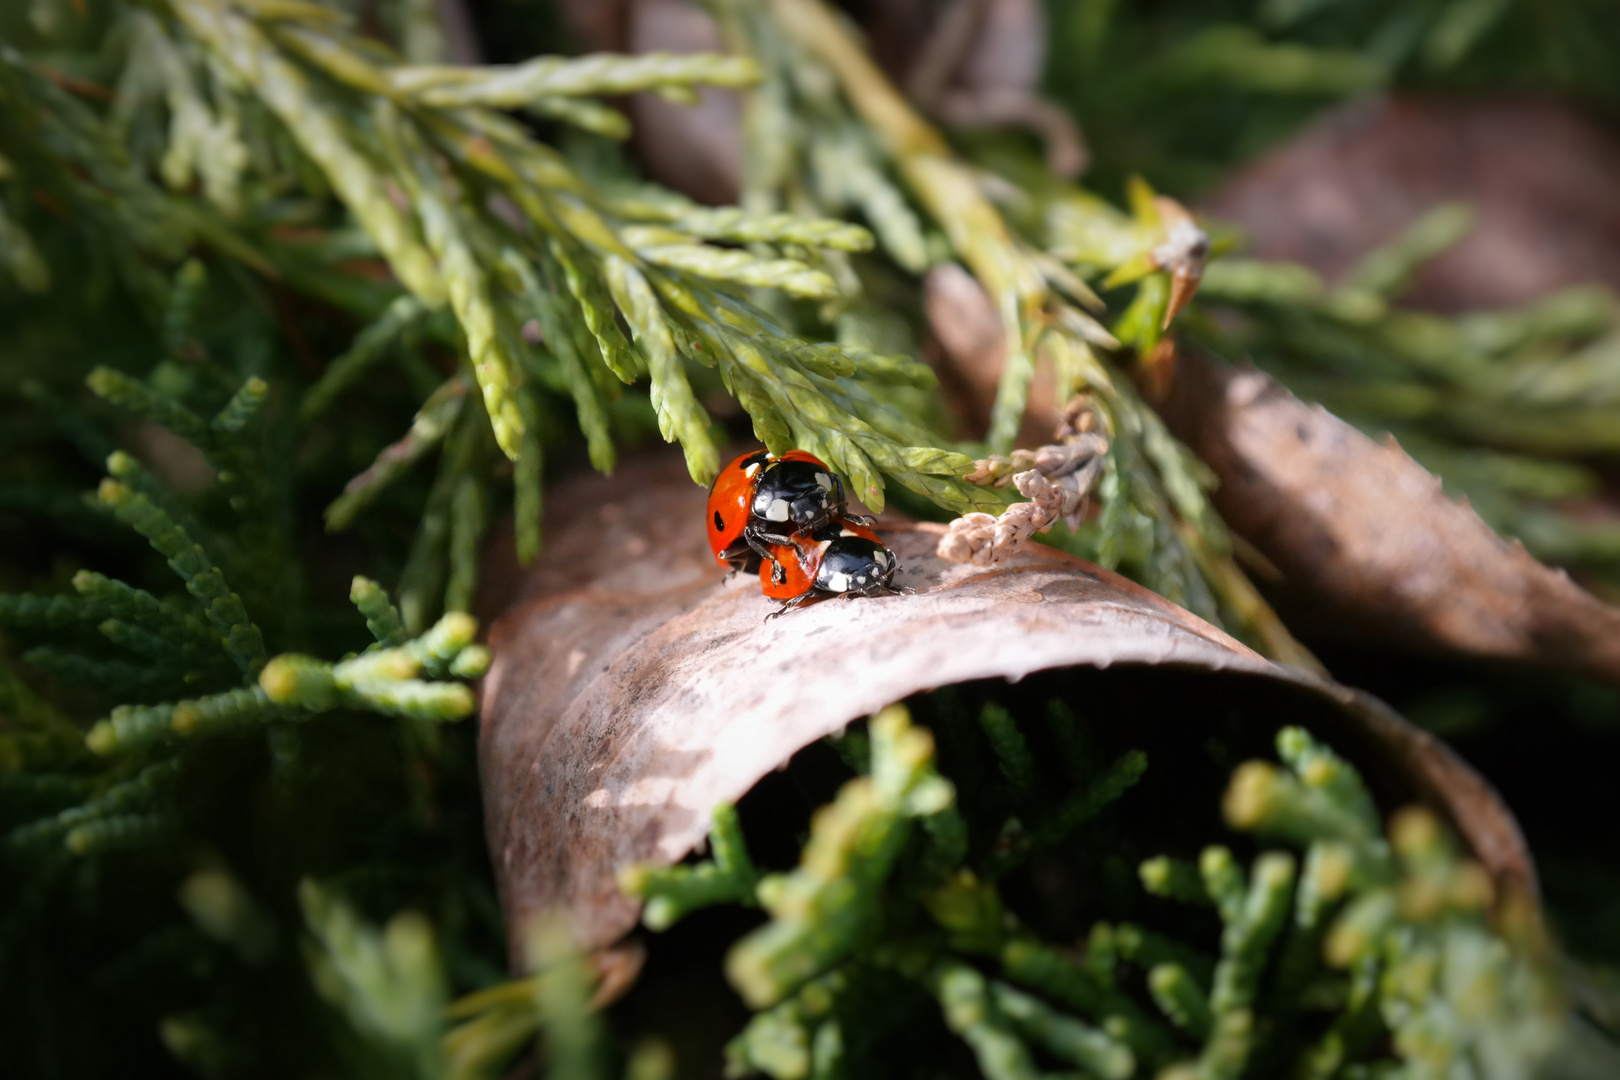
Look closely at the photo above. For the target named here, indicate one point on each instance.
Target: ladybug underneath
(842, 557)
(761, 499)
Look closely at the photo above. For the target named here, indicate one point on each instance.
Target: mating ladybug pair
(785, 518)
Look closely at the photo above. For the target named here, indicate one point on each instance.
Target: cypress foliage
(290, 309)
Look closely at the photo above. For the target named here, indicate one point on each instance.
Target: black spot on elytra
(719, 522)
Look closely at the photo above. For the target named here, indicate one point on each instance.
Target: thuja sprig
(219, 437)
(645, 260)
(385, 680)
(112, 606)
(1403, 917)
(1409, 908)
(1037, 966)
(130, 394)
(242, 640)
(1079, 806)
(121, 815)
(382, 617)
(602, 75)
(1071, 1041)
(557, 1003)
(399, 677)
(388, 983)
(827, 907)
(970, 1012)
(20, 257)
(39, 738)
(83, 160)
(801, 394)
(291, 686)
(674, 892)
(1155, 523)
(798, 1038)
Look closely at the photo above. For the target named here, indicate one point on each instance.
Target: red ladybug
(761, 499)
(727, 518)
(842, 557)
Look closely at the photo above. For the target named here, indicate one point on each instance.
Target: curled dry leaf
(1361, 530)
(634, 689)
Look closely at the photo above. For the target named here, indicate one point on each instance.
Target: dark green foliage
(264, 277)
(1262, 996)
(105, 827)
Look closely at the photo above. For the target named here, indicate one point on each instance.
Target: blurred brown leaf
(1362, 534)
(633, 689)
(1540, 175)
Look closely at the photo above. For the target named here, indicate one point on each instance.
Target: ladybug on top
(784, 516)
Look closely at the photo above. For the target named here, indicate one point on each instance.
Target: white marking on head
(751, 470)
(778, 510)
(881, 558)
(837, 583)
(824, 481)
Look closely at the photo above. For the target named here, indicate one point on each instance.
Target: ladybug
(842, 557)
(730, 499)
(760, 500)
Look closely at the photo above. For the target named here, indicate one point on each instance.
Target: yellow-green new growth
(600, 75)
(390, 984)
(466, 283)
(823, 910)
(673, 892)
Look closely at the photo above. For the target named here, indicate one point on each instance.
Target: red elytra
(727, 515)
(730, 517)
(792, 569)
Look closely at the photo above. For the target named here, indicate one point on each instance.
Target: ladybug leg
(860, 519)
(759, 543)
(789, 605)
(761, 537)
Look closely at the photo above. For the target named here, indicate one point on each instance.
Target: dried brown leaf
(634, 689)
(1362, 533)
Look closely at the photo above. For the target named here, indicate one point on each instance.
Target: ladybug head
(796, 494)
(854, 565)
